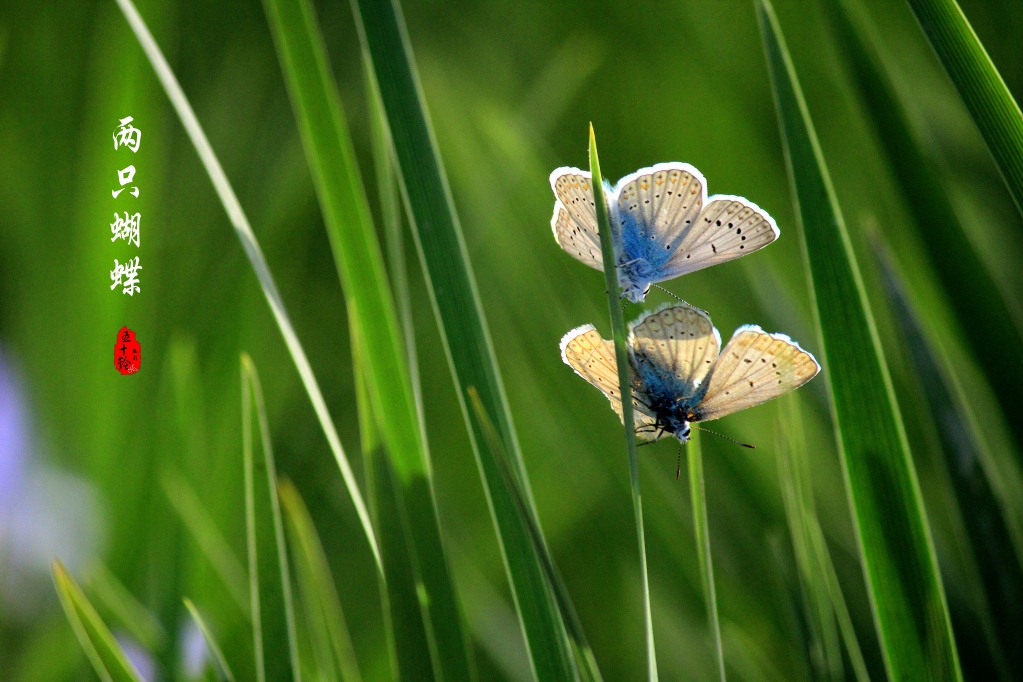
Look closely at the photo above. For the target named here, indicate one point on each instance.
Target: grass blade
(273, 616)
(984, 316)
(120, 604)
(619, 333)
(203, 529)
(460, 319)
(211, 641)
(587, 662)
(326, 619)
(698, 493)
(827, 612)
(373, 319)
(895, 543)
(103, 652)
(981, 87)
(255, 255)
(982, 539)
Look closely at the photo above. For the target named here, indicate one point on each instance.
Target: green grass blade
(698, 493)
(827, 612)
(255, 255)
(620, 334)
(373, 318)
(211, 641)
(985, 318)
(103, 652)
(316, 585)
(585, 659)
(212, 543)
(119, 603)
(896, 548)
(273, 615)
(981, 539)
(460, 319)
(981, 87)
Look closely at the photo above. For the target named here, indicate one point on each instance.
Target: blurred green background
(511, 87)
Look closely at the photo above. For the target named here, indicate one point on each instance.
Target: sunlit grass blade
(985, 318)
(114, 598)
(974, 75)
(698, 494)
(212, 543)
(460, 319)
(273, 615)
(586, 661)
(620, 334)
(894, 538)
(372, 316)
(101, 648)
(224, 670)
(982, 537)
(255, 255)
(327, 626)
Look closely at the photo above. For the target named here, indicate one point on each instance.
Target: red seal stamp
(127, 352)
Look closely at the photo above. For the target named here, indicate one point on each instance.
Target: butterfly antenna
(678, 469)
(676, 297)
(715, 433)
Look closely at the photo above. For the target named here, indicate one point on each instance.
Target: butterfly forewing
(753, 368)
(575, 219)
(728, 227)
(678, 341)
(662, 202)
(593, 359)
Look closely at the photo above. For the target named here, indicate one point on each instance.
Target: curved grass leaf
(103, 652)
(698, 493)
(211, 641)
(619, 333)
(119, 603)
(327, 627)
(982, 538)
(255, 255)
(974, 75)
(984, 316)
(460, 318)
(374, 324)
(273, 615)
(891, 525)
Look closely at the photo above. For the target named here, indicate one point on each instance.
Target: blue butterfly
(662, 222)
(679, 376)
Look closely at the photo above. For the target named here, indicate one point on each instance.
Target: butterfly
(662, 223)
(679, 376)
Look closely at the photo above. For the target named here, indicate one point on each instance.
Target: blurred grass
(210, 641)
(105, 654)
(895, 539)
(509, 88)
(270, 598)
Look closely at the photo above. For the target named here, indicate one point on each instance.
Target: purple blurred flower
(13, 438)
(139, 658)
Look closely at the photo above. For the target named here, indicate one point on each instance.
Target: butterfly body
(663, 224)
(678, 374)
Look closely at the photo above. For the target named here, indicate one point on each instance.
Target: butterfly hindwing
(675, 345)
(593, 359)
(575, 220)
(753, 368)
(727, 228)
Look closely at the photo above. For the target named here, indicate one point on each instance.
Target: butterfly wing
(575, 220)
(753, 368)
(593, 359)
(673, 349)
(728, 227)
(656, 206)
